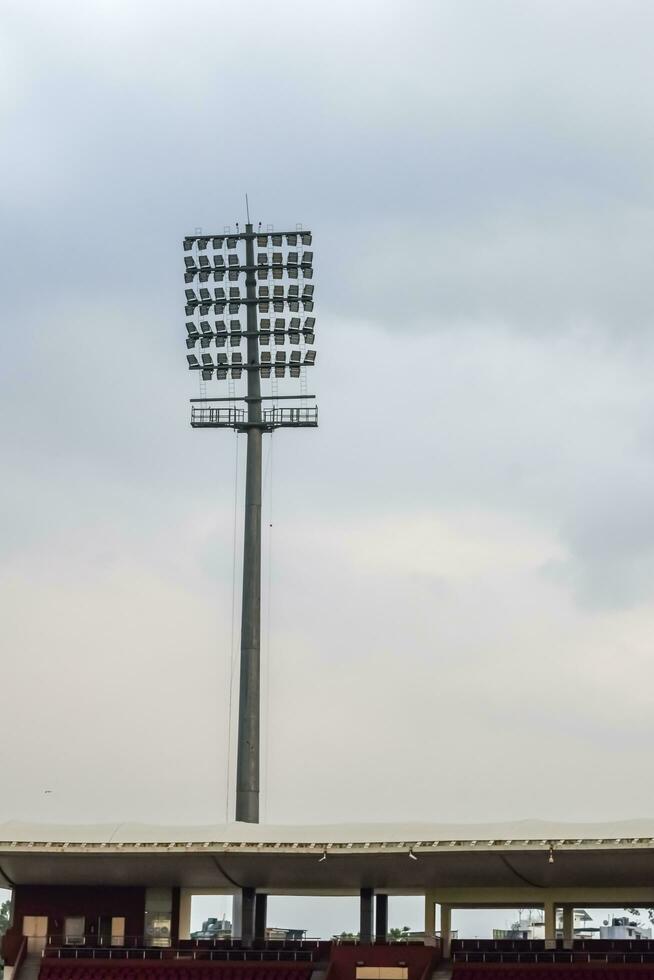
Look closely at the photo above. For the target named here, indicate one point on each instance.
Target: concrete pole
(381, 918)
(568, 926)
(247, 915)
(550, 924)
(430, 916)
(260, 915)
(366, 915)
(446, 931)
(247, 761)
(184, 917)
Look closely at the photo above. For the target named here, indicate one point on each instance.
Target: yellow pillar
(185, 896)
(446, 931)
(550, 924)
(568, 926)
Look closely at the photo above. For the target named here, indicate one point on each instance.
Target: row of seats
(554, 956)
(155, 953)
(171, 970)
(464, 972)
(535, 945)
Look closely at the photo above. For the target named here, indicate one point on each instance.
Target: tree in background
(4, 920)
(402, 933)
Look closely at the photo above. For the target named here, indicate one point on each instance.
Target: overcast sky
(459, 572)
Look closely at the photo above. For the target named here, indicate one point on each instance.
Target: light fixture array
(218, 315)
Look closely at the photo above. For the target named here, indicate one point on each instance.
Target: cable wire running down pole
(219, 258)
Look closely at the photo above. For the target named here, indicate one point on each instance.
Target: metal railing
(217, 416)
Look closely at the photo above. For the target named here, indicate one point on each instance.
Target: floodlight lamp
(221, 374)
(306, 238)
(291, 258)
(221, 326)
(189, 277)
(234, 325)
(262, 241)
(222, 359)
(265, 371)
(308, 305)
(296, 357)
(233, 259)
(192, 361)
(278, 292)
(280, 324)
(237, 358)
(219, 262)
(219, 293)
(307, 289)
(277, 258)
(221, 339)
(276, 239)
(189, 262)
(202, 244)
(188, 244)
(203, 276)
(219, 308)
(307, 271)
(204, 327)
(295, 323)
(205, 295)
(191, 296)
(291, 239)
(280, 370)
(264, 307)
(278, 272)
(206, 374)
(189, 310)
(262, 273)
(280, 357)
(309, 322)
(206, 360)
(292, 272)
(233, 275)
(293, 291)
(204, 309)
(234, 307)
(264, 292)
(294, 336)
(190, 342)
(191, 329)
(293, 306)
(262, 258)
(310, 358)
(204, 261)
(265, 357)
(414, 857)
(265, 323)
(234, 292)
(278, 306)
(217, 243)
(232, 242)
(218, 275)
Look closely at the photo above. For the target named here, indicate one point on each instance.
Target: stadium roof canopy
(287, 859)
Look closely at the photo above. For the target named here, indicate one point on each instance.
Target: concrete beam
(527, 897)
(446, 931)
(184, 917)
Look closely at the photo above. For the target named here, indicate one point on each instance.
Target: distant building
(222, 929)
(621, 927)
(530, 927)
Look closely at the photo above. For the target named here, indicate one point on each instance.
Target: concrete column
(247, 915)
(366, 915)
(381, 918)
(550, 924)
(446, 931)
(568, 926)
(260, 915)
(430, 915)
(184, 915)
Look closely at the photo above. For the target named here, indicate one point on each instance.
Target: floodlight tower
(231, 256)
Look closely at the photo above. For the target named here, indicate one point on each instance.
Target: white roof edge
(355, 833)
